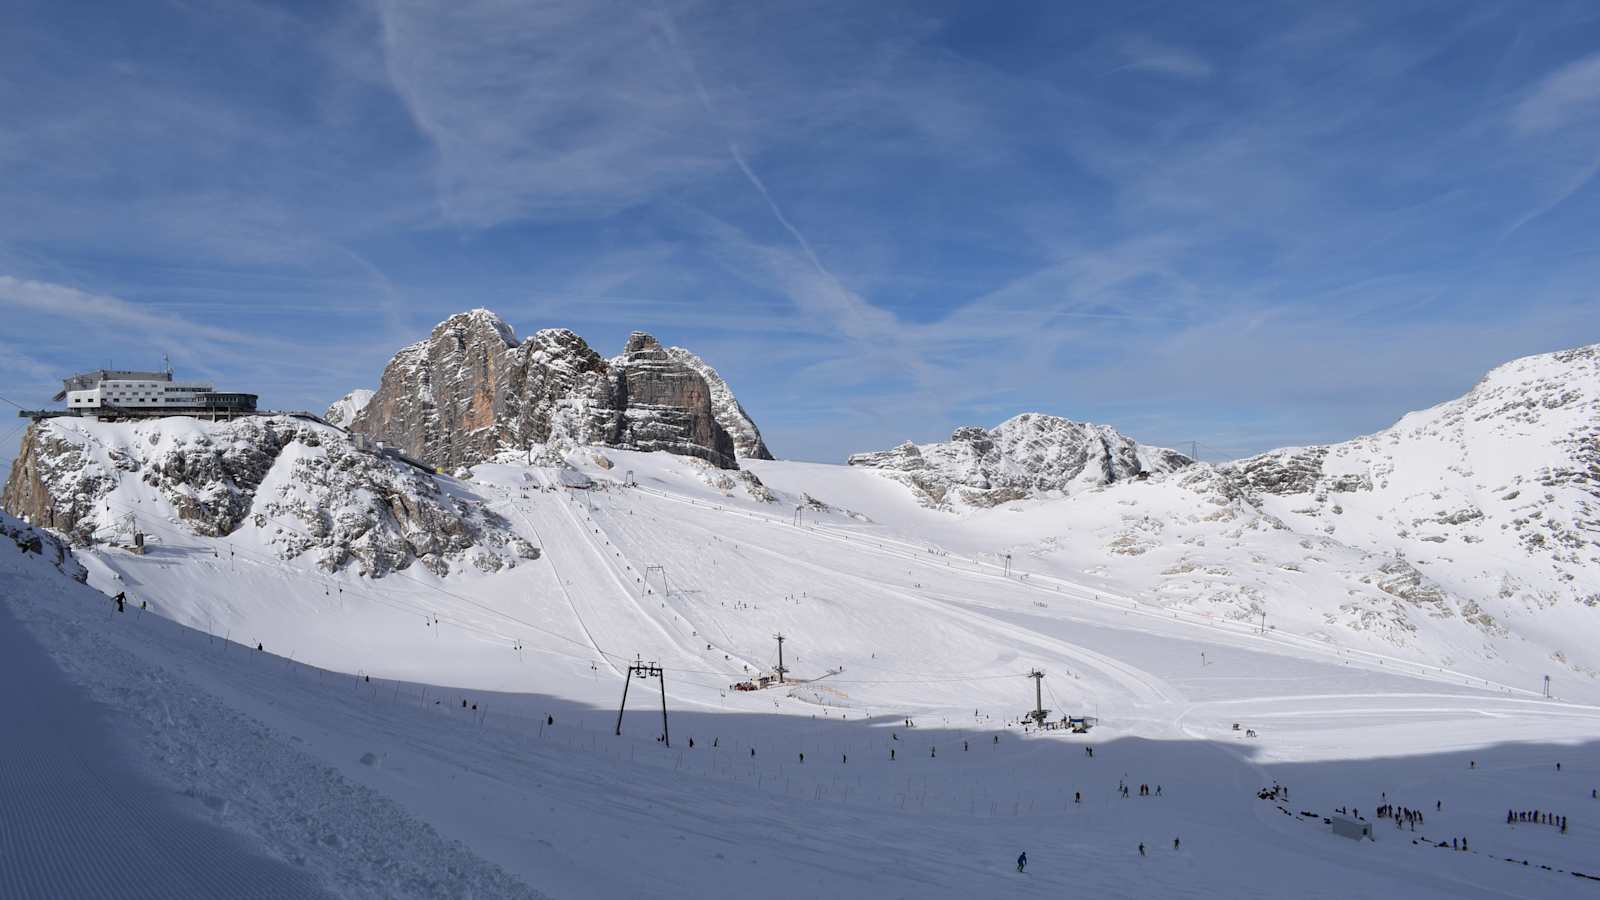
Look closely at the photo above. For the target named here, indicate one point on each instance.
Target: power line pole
(640, 669)
(1008, 565)
(1039, 700)
(1547, 687)
(1194, 450)
(781, 669)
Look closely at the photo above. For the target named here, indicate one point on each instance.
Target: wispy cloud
(1140, 53)
(1569, 94)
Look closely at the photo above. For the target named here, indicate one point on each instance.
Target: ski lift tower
(1039, 712)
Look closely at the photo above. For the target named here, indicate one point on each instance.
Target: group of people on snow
(1538, 817)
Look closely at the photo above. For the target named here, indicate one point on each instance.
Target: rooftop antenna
(166, 364)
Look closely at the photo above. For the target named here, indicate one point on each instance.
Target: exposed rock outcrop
(472, 390)
(747, 442)
(1018, 458)
(301, 487)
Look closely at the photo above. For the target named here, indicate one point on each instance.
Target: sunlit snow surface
(912, 612)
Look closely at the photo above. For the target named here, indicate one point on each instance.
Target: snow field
(915, 623)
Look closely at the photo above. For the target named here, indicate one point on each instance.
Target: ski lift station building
(127, 393)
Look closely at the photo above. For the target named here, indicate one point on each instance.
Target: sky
(1247, 225)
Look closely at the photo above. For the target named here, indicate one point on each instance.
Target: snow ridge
(1024, 456)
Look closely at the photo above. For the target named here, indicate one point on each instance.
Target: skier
(120, 597)
(933, 752)
(691, 743)
(715, 742)
(1022, 861)
(258, 645)
(1158, 790)
(1141, 848)
(549, 720)
(997, 739)
(844, 759)
(891, 754)
(802, 759)
(964, 746)
(752, 753)
(1174, 843)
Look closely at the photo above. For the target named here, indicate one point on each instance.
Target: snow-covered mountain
(471, 390)
(343, 410)
(294, 487)
(1021, 457)
(1470, 528)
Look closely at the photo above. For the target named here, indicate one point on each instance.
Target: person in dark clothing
(258, 645)
(802, 759)
(549, 720)
(891, 754)
(1022, 861)
(691, 743)
(1077, 796)
(120, 598)
(752, 753)
(1141, 848)
(1174, 843)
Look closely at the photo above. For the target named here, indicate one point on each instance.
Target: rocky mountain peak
(471, 390)
(640, 342)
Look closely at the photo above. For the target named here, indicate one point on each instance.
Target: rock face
(747, 442)
(1020, 457)
(343, 411)
(471, 390)
(295, 486)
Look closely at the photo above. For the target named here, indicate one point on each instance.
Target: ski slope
(893, 614)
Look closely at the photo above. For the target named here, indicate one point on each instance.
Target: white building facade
(140, 395)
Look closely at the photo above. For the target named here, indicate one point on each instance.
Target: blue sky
(1244, 224)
